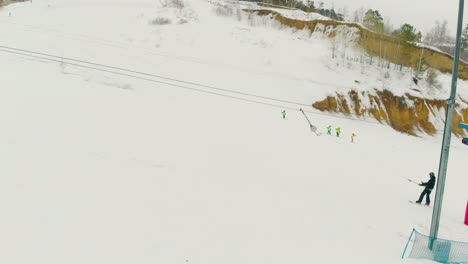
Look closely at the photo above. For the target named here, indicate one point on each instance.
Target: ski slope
(99, 167)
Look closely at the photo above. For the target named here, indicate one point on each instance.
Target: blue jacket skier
(428, 189)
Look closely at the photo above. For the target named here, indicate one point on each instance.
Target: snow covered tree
(331, 14)
(431, 78)
(310, 4)
(373, 21)
(408, 39)
(307, 6)
(421, 66)
(464, 43)
(408, 34)
(465, 38)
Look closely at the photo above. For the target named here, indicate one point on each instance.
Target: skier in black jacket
(427, 191)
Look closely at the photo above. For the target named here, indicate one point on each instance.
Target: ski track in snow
(102, 168)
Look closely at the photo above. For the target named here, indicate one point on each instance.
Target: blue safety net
(439, 250)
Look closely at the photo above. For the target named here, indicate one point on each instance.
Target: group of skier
(338, 132)
(329, 129)
(428, 186)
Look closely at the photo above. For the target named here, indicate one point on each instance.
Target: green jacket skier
(284, 113)
(338, 131)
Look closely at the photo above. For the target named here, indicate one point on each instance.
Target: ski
(420, 204)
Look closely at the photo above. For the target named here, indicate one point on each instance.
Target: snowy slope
(103, 168)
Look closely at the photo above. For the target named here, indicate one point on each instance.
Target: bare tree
(439, 34)
(388, 27)
(344, 11)
(333, 46)
(358, 15)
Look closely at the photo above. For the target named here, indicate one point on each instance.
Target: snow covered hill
(187, 159)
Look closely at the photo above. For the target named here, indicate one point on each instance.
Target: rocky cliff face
(408, 114)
